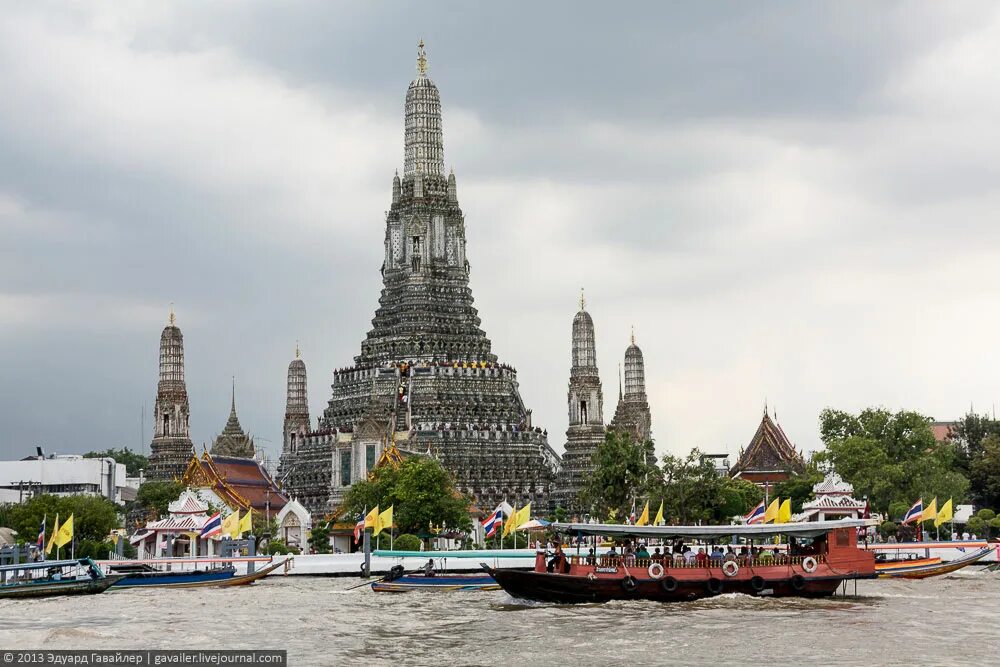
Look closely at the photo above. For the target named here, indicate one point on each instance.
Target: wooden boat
(923, 568)
(456, 582)
(145, 575)
(51, 578)
(824, 554)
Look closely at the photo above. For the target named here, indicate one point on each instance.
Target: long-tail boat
(213, 577)
(54, 577)
(821, 556)
(922, 568)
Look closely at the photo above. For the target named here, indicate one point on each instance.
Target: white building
(834, 500)
(63, 475)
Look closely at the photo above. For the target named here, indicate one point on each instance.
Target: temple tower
(233, 441)
(585, 402)
(171, 448)
(426, 378)
(632, 414)
(296, 407)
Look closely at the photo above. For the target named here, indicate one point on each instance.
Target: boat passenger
(689, 555)
(701, 558)
(679, 556)
(718, 553)
(657, 557)
(730, 554)
(612, 556)
(591, 558)
(766, 557)
(642, 552)
(429, 568)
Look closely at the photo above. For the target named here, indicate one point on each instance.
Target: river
(949, 620)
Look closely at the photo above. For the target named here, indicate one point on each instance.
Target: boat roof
(804, 529)
(44, 564)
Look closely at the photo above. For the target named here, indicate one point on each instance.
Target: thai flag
(756, 515)
(359, 528)
(914, 513)
(212, 527)
(493, 522)
(41, 536)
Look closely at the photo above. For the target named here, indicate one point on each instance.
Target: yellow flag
(383, 521)
(944, 514)
(658, 521)
(65, 533)
(930, 512)
(523, 516)
(231, 524)
(52, 540)
(771, 514)
(511, 523)
(371, 518)
(644, 517)
(246, 523)
(785, 511)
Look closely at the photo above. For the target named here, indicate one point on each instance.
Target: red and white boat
(821, 556)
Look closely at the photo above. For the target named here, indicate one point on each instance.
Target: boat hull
(565, 588)
(439, 583)
(57, 588)
(925, 570)
(176, 579)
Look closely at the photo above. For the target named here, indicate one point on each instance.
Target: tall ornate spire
(424, 145)
(584, 349)
(171, 448)
(233, 441)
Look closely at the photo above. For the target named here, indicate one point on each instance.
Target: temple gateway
(426, 379)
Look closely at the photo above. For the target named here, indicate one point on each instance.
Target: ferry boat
(923, 568)
(821, 556)
(54, 577)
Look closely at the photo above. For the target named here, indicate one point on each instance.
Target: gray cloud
(792, 203)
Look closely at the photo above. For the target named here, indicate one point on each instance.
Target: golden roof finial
(633, 334)
(173, 318)
(583, 302)
(298, 353)
(421, 59)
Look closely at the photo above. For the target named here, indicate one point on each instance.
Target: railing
(780, 560)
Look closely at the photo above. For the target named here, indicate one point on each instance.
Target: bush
(888, 528)
(406, 542)
(279, 548)
(986, 515)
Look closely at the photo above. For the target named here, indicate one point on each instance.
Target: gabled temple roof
(769, 450)
(241, 483)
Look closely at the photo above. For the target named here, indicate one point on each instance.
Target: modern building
(171, 448)
(426, 378)
(769, 458)
(63, 475)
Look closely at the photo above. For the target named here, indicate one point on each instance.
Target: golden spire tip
(421, 59)
(173, 318)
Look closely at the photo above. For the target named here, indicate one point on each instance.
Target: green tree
(421, 492)
(133, 461)
(153, 497)
(319, 537)
(94, 517)
(799, 487)
(891, 457)
(984, 472)
(406, 542)
(692, 490)
(622, 475)
(972, 430)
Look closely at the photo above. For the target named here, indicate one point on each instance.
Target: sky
(794, 204)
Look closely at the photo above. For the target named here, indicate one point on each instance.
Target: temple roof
(769, 450)
(242, 483)
(233, 441)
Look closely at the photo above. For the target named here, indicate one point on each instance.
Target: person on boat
(429, 568)
(766, 557)
(657, 557)
(591, 558)
(730, 554)
(689, 555)
(701, 558)
(642, 552)
(717, 553)
(629, 554)
(612, 556)
(679, 555)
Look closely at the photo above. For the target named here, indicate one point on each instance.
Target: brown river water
(950, 620)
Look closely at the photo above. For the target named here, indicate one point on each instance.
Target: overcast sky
(791, 202)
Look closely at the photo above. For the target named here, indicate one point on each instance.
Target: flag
(231, 524)
(644, 517)
(371, 518)
(212, 527)
(631, 516)
(65, 533)
(756, 515)
(523, 516)
(944, 514)
(914, 513)
(493, 522)
(41, 536)
(511, 523)
(246, 523)
(930, 512)
(359, 528)
(52, 540)
(785, 511)
(505, 508)
(658, 521)
(383, 521)
(771, 513)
